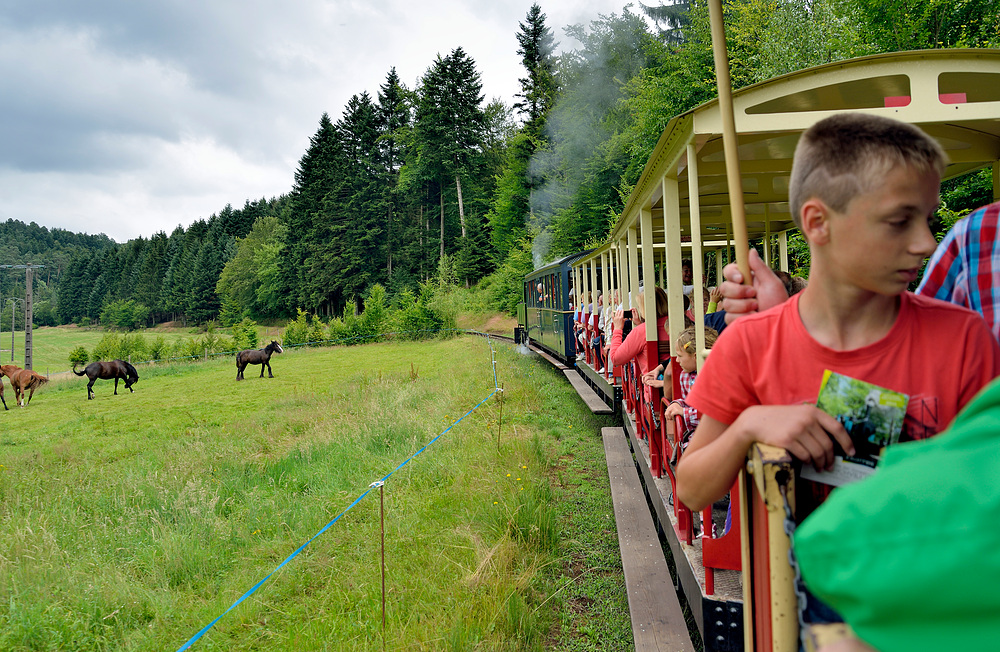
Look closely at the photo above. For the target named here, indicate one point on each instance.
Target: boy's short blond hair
(848, 154)
(686, 340)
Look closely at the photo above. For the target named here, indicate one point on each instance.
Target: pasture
(132, 521)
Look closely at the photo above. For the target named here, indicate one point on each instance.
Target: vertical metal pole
(500, 426)
(381, 501)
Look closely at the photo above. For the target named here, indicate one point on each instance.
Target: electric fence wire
(496, 388)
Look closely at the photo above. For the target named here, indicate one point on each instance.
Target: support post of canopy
(729, 142)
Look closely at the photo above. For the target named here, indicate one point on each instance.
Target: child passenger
(862, 191)
(687, 358)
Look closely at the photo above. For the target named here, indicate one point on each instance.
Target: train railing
(771, 586)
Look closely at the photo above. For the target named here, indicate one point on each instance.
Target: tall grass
(131, 521)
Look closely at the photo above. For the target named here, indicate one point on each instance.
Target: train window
(861, 94)
(962, 87)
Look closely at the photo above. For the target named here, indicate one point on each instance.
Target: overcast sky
(128, 117)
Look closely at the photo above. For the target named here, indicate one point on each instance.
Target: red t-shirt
(938, 353)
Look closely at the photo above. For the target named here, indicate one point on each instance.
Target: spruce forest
(408, 185)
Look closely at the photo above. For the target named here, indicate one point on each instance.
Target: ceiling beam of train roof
(925, 88)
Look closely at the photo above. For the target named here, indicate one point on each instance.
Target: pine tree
(448, 127)
(536, 46)
(394, 124)
(316, 177)
(202, 301)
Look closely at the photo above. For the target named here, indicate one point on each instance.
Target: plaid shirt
(686, 380)
(965, 267)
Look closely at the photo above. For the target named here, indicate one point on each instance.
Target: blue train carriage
(739, 582)
(545, 314)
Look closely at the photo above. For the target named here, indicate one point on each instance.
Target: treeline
(411, 184)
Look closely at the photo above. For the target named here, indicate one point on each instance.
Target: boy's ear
(816, 221)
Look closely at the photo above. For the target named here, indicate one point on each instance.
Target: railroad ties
(657, 619)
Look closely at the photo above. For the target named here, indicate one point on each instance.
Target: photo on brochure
(873, 418)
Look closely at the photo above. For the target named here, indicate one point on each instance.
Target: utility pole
(28, 313)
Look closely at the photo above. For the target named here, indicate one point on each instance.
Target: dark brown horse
(106, 371)
(22, 380)
(257, 356)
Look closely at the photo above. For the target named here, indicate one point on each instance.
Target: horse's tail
(78, 373)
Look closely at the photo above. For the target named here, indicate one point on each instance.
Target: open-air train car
(739, 585)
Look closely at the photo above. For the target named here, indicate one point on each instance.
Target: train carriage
(739, 585)
(545, 314)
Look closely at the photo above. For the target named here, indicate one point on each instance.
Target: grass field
(132, 521)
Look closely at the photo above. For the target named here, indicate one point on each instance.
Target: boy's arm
(717, 452)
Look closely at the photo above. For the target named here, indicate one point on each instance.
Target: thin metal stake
(500, 424)
(381, 500)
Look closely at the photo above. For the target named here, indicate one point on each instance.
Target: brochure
(873, 417)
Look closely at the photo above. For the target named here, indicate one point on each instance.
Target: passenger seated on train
(687, 276)
(687, 358)
(623, 351)
(579, 316)
(609, 311)
(598, 339)
(862, 191)
(712, 298)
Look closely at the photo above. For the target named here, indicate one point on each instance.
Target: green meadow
(132, 521)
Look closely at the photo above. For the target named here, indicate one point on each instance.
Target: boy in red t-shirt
(862, 191)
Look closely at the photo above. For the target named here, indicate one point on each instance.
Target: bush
(413, 319)
(122, 347)
(44, 314)
(210, 343)
(375, 318)
(124, 315)
(305, 329)
(79, 356)
(158, 348)
(245, 334)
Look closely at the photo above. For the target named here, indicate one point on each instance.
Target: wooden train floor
(657, 618)
(728, 584)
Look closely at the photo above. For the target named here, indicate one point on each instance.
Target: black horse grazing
(107, 370)
(257, 356)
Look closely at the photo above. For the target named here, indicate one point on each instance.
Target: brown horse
(257, 356)
(106, 371)
(22, 380)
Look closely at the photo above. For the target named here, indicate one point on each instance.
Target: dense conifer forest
(409, 184)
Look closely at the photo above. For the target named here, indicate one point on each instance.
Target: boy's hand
(715, 296)
(766, 291)
(805, 431)
(674, 410)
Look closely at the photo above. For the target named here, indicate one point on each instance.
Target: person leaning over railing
(862, 191)
(632, 347)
